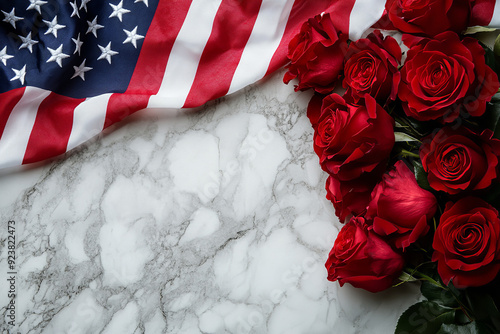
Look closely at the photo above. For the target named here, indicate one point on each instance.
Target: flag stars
(27, 42)
(80, 70)
(78, 44)
(84, 5)
(144, 1)
(53, 27)
(57, 55)
(94, 26)
(11, 17)
(19, 74)
(75, 9)
(36, 4)
(118, 10)
(4, 56)
(107, 53)
(132, 37)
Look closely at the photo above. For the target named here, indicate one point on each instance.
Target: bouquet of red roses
(412, 151)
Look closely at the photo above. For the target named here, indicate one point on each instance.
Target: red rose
(351, 140)
(316, 55)
(372, 68)
(467, 243)
(429, 17)
(349, 197)
(445, 76)
(362, 258)
(400, 209)
(460, 160)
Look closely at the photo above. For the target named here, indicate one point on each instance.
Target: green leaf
(496, 47)
(484, 308)
(490, 59)
(424, 318)
(477, 29)
(437, 294)
(492, 117)
(403, 137)
(421, 175)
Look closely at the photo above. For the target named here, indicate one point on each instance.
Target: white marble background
(204, 222)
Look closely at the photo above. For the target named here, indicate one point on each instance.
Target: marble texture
(211, 220)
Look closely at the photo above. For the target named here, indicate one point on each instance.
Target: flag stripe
(363, 15)
(17, 131)
(301, 9)
(155, 52)
(186, 53)
(52, 128)
(88, 120)
(263, 42)
(8, 101)
(232, 28)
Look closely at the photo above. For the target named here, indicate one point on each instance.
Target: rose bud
(316, 55)
(467, 243)
(362, 258)
(429, 17)
(399, 208)
(351, 140)
(372, 68)
(444, 77)
(460, 160)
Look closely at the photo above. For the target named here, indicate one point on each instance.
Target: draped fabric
(69, 69)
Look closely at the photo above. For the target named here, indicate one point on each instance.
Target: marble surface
(202, 221)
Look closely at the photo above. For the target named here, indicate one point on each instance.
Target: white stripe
(18, 129)
(185, 56)
(88, 120)
(495, 20)
(262, 44)
(364, 14)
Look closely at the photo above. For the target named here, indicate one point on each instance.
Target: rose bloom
(460, 160)
(362, 258)
(445, 76)
(372, 68)
(399, 208)
(429, 17)
(351, 140)
(349, 197)
(467, 243)
(316, 55)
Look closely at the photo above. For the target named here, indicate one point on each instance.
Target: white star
(106, 52)
(118, 10)
(4, 56)
(11, 17)
(36, 4)
(93, 27)
(27, 42)
(75, 9)
(84, 4)
(132, 37)
(20, 74)
(53, 27)
(78, 44)
(57, 55)
(80, 70)
(145, 2)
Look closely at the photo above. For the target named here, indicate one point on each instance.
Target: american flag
(70, 68)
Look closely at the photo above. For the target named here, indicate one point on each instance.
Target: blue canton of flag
(77, 48)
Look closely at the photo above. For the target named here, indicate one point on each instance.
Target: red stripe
(231, 30)
(8, 101)
(301, 11)
(482, 12)
(52, 128)
(155, 51)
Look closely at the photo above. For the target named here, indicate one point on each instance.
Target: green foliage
(424, 318)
